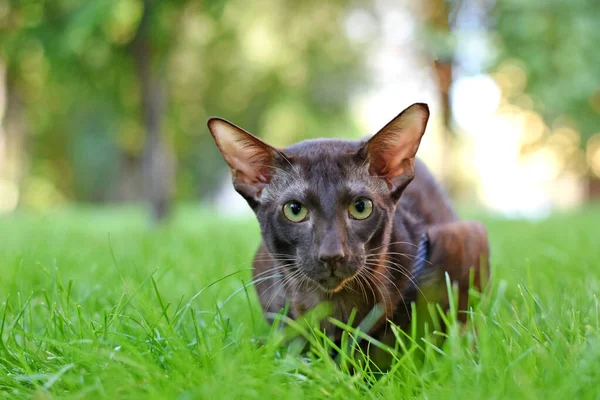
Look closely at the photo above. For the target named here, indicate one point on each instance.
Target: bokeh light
(513, 128)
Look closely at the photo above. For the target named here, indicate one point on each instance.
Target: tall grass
(94, 304)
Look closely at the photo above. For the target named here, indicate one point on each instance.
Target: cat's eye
(361, 208)
(295, 211)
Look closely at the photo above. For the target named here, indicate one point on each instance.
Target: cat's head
(324, 205)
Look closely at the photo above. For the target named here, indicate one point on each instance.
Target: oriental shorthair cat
(362, 225)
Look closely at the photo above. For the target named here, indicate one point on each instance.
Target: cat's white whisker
(401, 269)
(270, 270)
(410, 256)
(356, 279)
(286, 281)
(399, 293)
(378, 287)
(392, 243)
(368, 284)
(371, 267)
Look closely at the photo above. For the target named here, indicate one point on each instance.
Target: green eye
(361, 208)
(295, 211)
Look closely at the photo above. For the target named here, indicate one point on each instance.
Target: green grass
(95, 304)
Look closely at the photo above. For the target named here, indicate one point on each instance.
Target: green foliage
(95, 305)
(281, 69)
(556, 43)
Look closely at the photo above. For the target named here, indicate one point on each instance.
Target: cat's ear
(391, 151)
(251, 160)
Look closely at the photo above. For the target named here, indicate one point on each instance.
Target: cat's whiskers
(263, 278)
(278, 268)
(286, 281)
(399, 294)
(274, 259)
(383, 258)
(410, 256)
(356, 279)
(373, 268)
(369, 284)
(276, 293)
(275, 256)
(279, 254)
(283, 281)
(399, 267)
(370, 275)
(275, 268)
(402, 270)
(293, 280)
(246, 285)
(278, 260)
(392, 243)
(370, 268)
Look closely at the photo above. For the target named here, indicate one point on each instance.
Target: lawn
(96, 304)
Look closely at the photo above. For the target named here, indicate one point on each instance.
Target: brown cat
(353, 223)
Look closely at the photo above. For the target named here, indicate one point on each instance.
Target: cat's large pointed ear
(251, 160)
(391, 151)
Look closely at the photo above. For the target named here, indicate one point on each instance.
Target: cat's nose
(332, 258)
(331, 250)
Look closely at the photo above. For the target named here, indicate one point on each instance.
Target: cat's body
(423, 205)
(342, 222)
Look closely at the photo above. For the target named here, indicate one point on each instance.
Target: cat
(362, 225)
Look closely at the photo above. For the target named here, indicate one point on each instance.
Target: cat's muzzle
(331, 283)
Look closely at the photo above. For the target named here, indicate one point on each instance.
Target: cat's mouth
(332, 283)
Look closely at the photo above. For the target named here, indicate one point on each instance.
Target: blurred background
(106, 101)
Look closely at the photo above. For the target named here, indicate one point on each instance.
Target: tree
(114, 87)
(553, 46)
(157, 166)
(441, 52)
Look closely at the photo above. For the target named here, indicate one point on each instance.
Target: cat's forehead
(322, 167)
(319, 148)
(326, 159)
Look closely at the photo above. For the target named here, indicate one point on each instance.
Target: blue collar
(421, 263)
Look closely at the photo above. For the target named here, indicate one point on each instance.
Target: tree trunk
(13, 142)
(129, 188)
(437, 18)
(156, 163)
(593, 187)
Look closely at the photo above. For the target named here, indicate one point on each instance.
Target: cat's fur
(353, 264)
